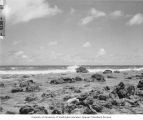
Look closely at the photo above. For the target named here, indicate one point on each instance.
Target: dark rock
(140, 84)
(139, 93)
(4, 97)
(10, 112)
(63, 80)
(56, 112)
(1, 109)
(98, 77)
(133, 103)
(102, 97)
(117, 102)
(78, 78)
(87, 110)
(26, 83)
(83, 96)
(107, 72)
(97, 107)
(108, 105)
(128, 78)
(15, 90)
(32, 88)
(110, 76)
(48, 94)
(2, 84)
(77, 91)
(30, 98)
(81, 70)
(33, 110)
(88, 101)
(121, 85)
(56, 81)
(107, 88)
(130, 90)
(25, 76)
(68, 109)
(124, 91)
(26, 110)
(66, 97)
(116, 71)
(68, 80)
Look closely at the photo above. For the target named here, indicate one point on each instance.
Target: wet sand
(74, 93)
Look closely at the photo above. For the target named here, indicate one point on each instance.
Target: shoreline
(72, 93)
(4, 72)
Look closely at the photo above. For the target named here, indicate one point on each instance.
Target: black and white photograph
(71, 57)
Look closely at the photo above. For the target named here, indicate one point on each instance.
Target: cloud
(101, 52)
(26, 10)
(87, 20)
(97, 13)
(15, 42)
(117, 13)
(53, 43)
(93, 15)
(136, 20)
(72, 11)
(22, 55)
(86, 44)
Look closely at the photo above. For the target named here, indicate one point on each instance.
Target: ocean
(65, 69)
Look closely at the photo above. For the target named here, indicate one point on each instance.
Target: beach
(109, 92)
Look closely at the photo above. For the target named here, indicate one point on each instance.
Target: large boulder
(116, 71)
(140, 84)
(107, 72)
(98, 77)
(57, 81)
(97, 107)
(2, 84)
(124, 91)
(48, 94)
(81, 70)
(32, 88)
(30, 98)
(26, 83)
(33, 110)
(55, 111)
(17, 89)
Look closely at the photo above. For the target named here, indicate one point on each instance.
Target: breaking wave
(68, 69)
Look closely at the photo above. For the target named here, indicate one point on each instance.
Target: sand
(83, 96)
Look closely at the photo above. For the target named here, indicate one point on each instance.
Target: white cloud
(136, 20)
(19, 53)
(72, 11)
(53, 43)
(87, 20)
(15, 42)
(101, 52)
(93, 14)
(22, 55)
(97, 13)
(86, 44)
(26, 10)
(116, 13)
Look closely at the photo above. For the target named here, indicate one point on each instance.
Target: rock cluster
(81, 70)
(26, 86)
(27, 109)
(65, 80)
(98, 77)
(107, 72)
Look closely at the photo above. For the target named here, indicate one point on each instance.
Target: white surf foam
(70, 69)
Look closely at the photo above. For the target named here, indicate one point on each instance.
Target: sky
(70, 32)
